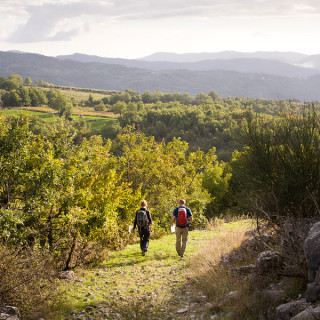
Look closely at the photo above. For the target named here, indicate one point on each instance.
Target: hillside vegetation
(227, 83)
(68, 191)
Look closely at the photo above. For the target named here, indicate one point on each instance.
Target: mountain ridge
(193, 57)
(226, 83)
(247, 65)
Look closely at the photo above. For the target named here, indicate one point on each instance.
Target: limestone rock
(313, 292)
(312, 251)
(183, 310)
(288, 310)
(267, 263)
(67, 275)
(308, 314)
(9, 313)
(244, 270)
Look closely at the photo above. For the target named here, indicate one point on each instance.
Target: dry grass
(75, 111)
(231, 292)
(79, 95)
(38, 109)
(27, 281)
(214, 278)
(228, 238)
(84, 112)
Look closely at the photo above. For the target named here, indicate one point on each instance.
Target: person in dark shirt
(143, 221)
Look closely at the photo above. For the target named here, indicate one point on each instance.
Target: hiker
(182, 215)
(143, 221)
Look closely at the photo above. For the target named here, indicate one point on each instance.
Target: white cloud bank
(162, 25)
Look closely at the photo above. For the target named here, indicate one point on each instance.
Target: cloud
(56, 20)
(150, 9)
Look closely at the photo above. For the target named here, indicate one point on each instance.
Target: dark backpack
(182, 220)
(142, 219)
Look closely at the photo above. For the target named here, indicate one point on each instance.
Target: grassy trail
(132, 286)
(157, 286)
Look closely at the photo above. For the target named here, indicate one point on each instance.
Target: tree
(100, 107)
(59, 102)
(37, 96)
(215, 181)
(59, 196)
(279, 170)
(147, 97)
(16, 79)
(163, 172)
(11, 99)
(202, 98)
(24, 96)
(214, 96)
(119, 108)
(28, 81)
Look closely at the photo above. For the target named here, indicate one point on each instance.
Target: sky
(137, 28)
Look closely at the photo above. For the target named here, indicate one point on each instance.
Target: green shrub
(278, 175)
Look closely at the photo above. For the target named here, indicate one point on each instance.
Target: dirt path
(132, 286)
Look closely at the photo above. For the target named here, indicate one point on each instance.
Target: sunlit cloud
(42, 17)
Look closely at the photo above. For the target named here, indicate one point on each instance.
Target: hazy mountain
(308, 65)
(289, 57)
(99, 75)
(311, 62)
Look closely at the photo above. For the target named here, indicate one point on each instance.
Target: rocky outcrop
(271, 271)
(288, 310)
(308, 307)
(268, 263)
(308, 314)
(9, 313)
(312, 251)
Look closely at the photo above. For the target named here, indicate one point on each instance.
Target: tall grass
(27, 281)
(214, 278)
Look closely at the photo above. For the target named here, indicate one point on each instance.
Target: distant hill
(106, 76)
(248, 65)
(311, 62)
(289, 57)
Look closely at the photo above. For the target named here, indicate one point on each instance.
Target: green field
(95, 122)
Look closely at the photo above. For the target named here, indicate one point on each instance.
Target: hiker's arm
(173, 219)
(149, 217)
(135, 222)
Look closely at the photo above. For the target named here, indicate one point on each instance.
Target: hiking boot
(143, 252)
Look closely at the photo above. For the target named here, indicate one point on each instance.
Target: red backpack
(182, 220)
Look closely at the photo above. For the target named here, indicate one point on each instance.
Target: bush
(27, 281)
(100, 107)
(278, 175)
(277, 178)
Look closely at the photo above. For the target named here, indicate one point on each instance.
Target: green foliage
(28, 81)
(76, 199)
(163, 173)
(216, 182)
(37, 96)
(278, 173)
(11, 98)
(58, 101)
(119, 107)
